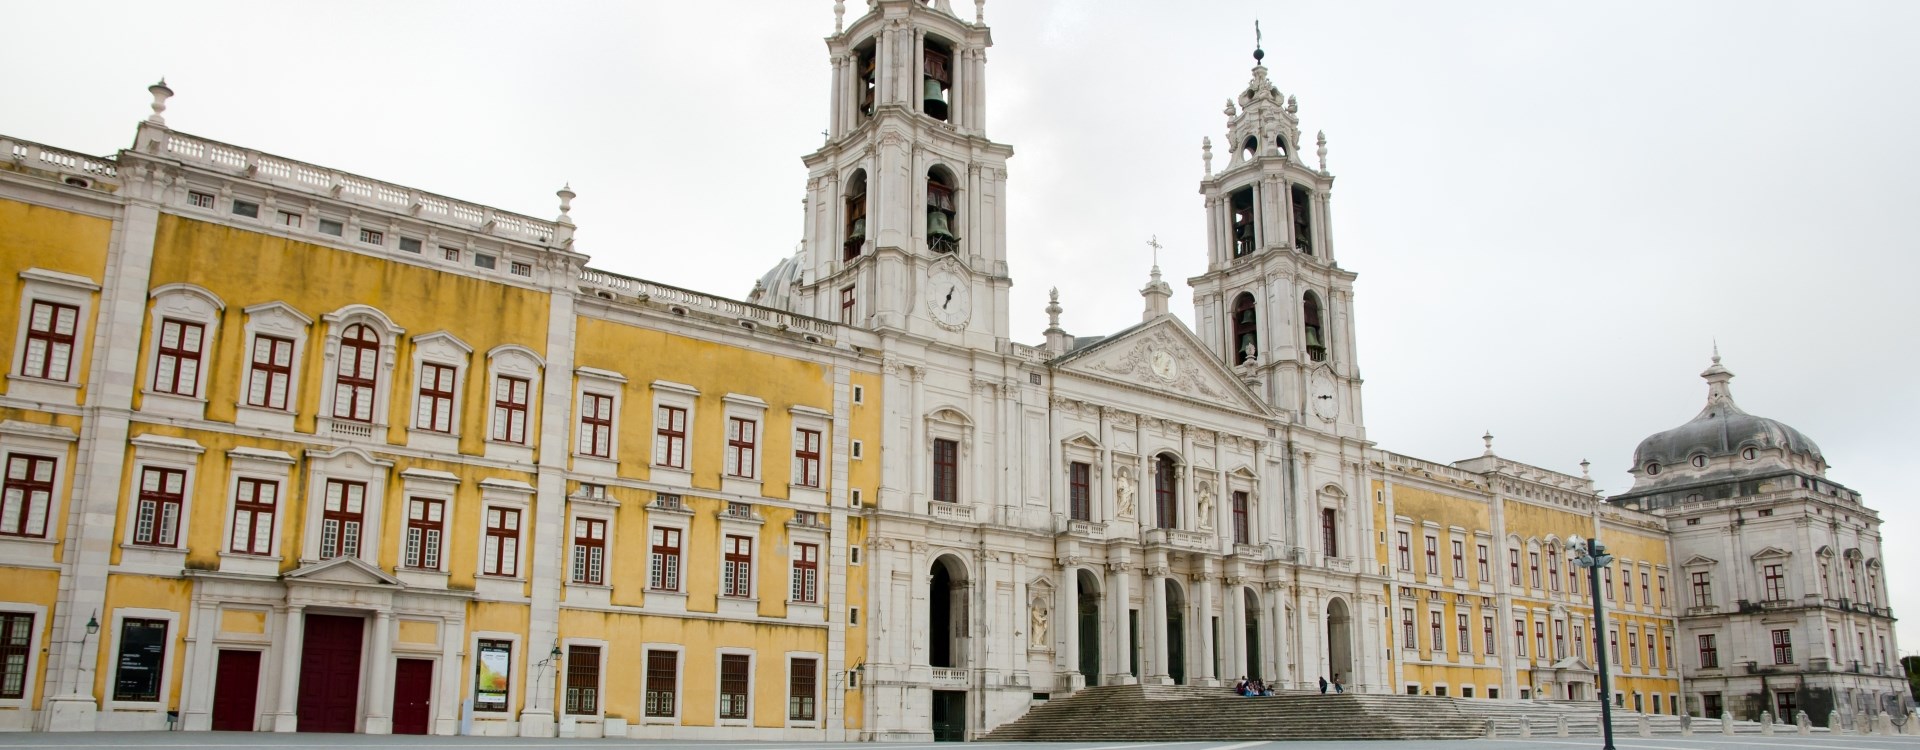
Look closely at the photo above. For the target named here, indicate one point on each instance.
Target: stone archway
(1251, 606)
(1176, 634)
(1339, 642)
(947, 613)
(1087, 630)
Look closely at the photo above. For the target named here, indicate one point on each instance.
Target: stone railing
(337, 185)
(1089, 529)
(950, 511)
(30, 155)
(593, 279)
(949, 677)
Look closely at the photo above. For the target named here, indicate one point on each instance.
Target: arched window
(1240, 215)
(1246, 337)
(868, 86)
(1250, 148)
(1166, 491)
(356, 376)
(1302, 220)
(936, 79)
(856, 229)
(942, 219)
(1316, 336)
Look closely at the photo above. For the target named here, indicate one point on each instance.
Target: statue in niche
(1037, 630)
(1206, 506)
(1125, 493)
(1250, 354)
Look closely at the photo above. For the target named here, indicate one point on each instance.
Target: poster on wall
(143, 652)
(490, 686)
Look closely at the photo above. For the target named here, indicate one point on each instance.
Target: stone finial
(1320, 139)
(1053, 307)
(566, 204)
(160, 96)
(979, 12)
(1293, 105)
(1229, 110)
(1488, 439)
(1206, 156)
(839, 15)
(1585, 470)
(1259, 54)
(1156, 292)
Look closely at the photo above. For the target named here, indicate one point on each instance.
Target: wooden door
(236, 690)
(330, 674)
(412, 696)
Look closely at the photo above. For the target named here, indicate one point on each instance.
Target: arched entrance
(1339, 641)
(1176, 633)
(946, 613)
(1089, 626)
(1250, 604)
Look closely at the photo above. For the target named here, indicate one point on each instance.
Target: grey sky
(1554, 208)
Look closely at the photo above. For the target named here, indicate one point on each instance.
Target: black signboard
(143, 653)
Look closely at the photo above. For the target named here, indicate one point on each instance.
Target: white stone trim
(600, 695)
(679, 683)
(447, 350)
(64, 288)
(280, 320)
(189, 304)
(809, 418)
(337, 323)
(821, 684)
(427, 485)
(753, 666)
(512, 495)
(353, 465)
(748, 480)
(504, 722)
(47, 441)
(600, 383)
(258, 464)
(513, 360)
(668, 393)
(591, 594)
(18, 713)
(154, 451)
(745, 607)
(135, 715)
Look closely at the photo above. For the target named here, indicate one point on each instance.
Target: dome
(1722, 431)
(775, 288)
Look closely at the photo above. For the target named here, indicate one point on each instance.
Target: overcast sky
(1554, 208)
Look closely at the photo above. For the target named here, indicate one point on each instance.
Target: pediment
(1573, 663)
(1771, 552)
(1162, 355)
(345, 570)
(1082, 440)
(1699, 561)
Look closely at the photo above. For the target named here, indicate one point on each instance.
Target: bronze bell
(935, 99)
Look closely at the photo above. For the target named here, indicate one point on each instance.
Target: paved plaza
(146, 740)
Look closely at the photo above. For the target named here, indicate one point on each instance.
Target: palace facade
(267, 470)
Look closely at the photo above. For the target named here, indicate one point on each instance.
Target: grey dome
(1721, 429)
(775, 288)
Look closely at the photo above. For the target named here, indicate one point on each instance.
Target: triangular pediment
(1573, 663)
(1161, 355)
(1699, 561)
(1771, 552)
(346, 570)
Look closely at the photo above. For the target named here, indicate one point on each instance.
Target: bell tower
(1274, 305)
(905, 207)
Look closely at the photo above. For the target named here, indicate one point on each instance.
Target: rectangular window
(502, 554)
(806, 573)
(846, 306)
(946, 470)
(1520, 638)
(426, 523)
(248, 209)
(1553, 570)
(1438, 641)
(271, 373)
(492, 676)
(162, 498)
(1241, 528)
(27, 496)
(734, 684)
(254, 503)
(1663, 591)
(583, 680)
(1406, 555)
(1559, 639)
(670, 437)
(482, 260)
(1513, 564)
(410, 245)
(518, 268)
(1433, 555)
(51, 331)
(736, 573)
(1486, 569)
(1776, 582)
(510, 409)
(198, 199)
(1080, 491)
(665, 562)
(1486, 629)
(806, 458)
(1646, 590)
(1539, 639)
(435, 408)
(590, 551)
(1465, 635)
(16, 638)
(289, 219)
(450, 253)
(142, 660)
(1702, 590)
(801, 679)
(740, 447)
(1607, 575)
(1613, 646)
(1533, 569)
(1329, 532)
(329, 226)
(662, 674)
(1406, 629)
(373, 237)
(342, 515)
(1459, 559)
(1783, 647)
(1580, 641)
(176, 368)
(357, 375)
(596, 425)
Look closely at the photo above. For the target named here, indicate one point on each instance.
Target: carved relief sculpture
(1124, 495)
(1205, 494)
(1037, 630)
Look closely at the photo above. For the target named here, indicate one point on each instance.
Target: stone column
(197, 683)
(1154, 630)
(1235, 642)
(380, 676)
(1119, 637)
(1203, 630)
(1066, 626)
(292, 637)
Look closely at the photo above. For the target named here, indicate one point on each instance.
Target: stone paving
(145, 740)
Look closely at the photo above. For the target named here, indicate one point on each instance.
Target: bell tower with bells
(1274, 304)
(905, 205)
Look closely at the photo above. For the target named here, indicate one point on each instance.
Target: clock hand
(949, 300)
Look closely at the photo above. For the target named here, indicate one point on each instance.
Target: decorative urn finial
(160, 96)
(566, 204)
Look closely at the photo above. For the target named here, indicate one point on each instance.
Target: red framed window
(802, 679)
(1513, 564)
(176, 368)
(1486, 568)
(1533, 568)
(665, 560)
(1539, 638)
(270, 376)
(1626, 585)
(670, 437)
(342, 516)
(846, 306)
(590, 551)
(1433, 555)
(1080, 491)
(1663, 591)
(16, 640)
(1580, 641)
(663, 672)
(741, 442)
(1607, 581)
(1406, 629)
(1405, 547)
(1166, 495)
(1646, 590)
(1439, 638)
(26, 496)
(1553, 569)
(1459, 559)
(1559, 639)
(1520, 638)
(806, 458)
(596, 425)
(502, 554)
(510, 409)
(806, 573)
(735, 682)
(1613, 646)
(254, 503)
(1633, 648)
(736, 567)
(1702, 590)
(51, 331)
(1242, 531)
(583, 680)
(434, 408)
(1486, 629)
(357, 375)
(1783, 647)
(946, 470)
(426, 524)
(162, 498)
(1465, 634)
(1330, 532)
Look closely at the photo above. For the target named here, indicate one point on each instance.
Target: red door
(330, 674)
(236, 690)
(412, 696)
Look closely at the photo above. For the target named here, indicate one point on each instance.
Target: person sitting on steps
(1323, 686)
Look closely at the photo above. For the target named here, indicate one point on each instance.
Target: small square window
(289, 219)
(247, 209)
(482, 260)
(853, 555)
(853, 616)
(1034, 378)
(200, 200)
(329, 226)
(372, 237)
(857, 498)
(859, 394)
(450, 253)
(521, 269)
(1693, 522)
(858, 449)
(410, 244)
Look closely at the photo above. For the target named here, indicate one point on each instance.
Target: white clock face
(949, 300)
(1321, 396)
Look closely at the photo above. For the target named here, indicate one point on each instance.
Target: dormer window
(1302, 220)
(1699, 462)
(1246, 337)
(856, 231)
(1316, 338)
(1749, 453)
(1250, 148)
(936, 80)
(869, 85)
(941, 218)
(1653, 468)
(1240, 210)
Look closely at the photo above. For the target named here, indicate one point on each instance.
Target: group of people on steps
(1255, 687)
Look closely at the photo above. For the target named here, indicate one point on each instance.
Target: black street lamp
(80, 659)
(1592, 555)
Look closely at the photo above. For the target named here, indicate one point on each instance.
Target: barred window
(800, 689)
(583, 680)
(662, 676)
(735, 681)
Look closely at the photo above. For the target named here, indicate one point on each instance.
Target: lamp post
(1592, 555)
(80, 659)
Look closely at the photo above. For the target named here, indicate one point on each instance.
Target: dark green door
(949, 716)
(1090, 638)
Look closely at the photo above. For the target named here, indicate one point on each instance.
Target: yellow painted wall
(42, 587)
(38, 237)
(145, 592)
(627, 635)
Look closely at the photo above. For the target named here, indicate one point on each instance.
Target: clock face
(1164, 365)
(1321, 396)
(949, 300)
